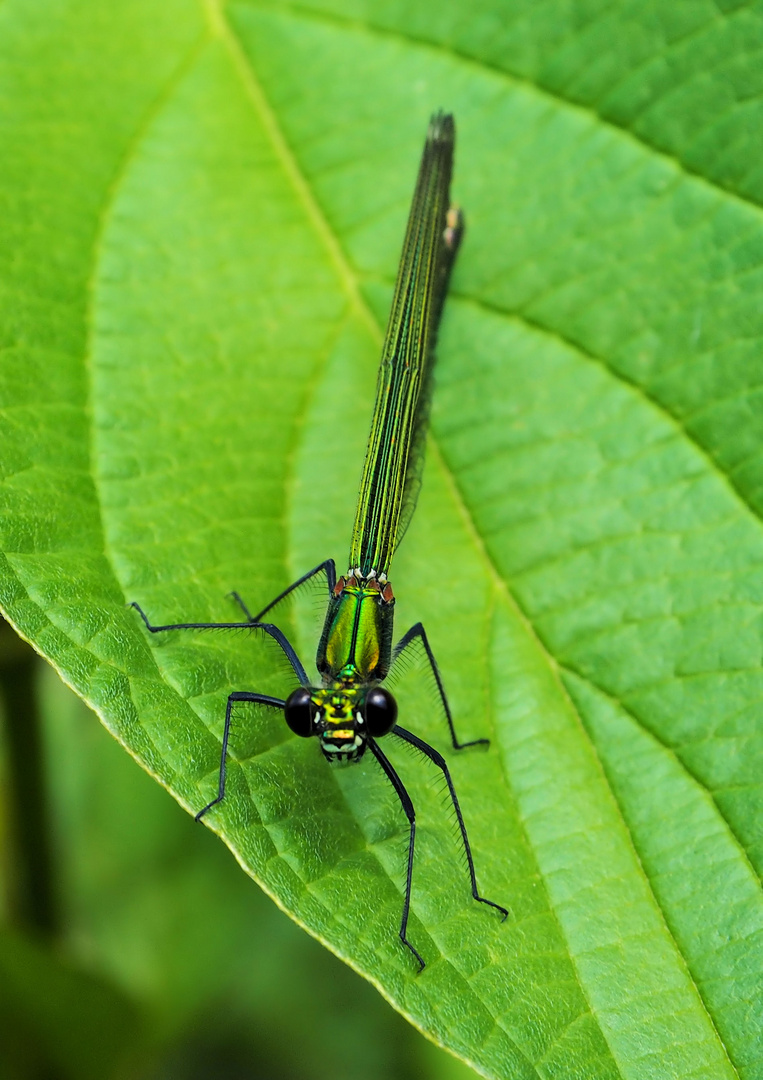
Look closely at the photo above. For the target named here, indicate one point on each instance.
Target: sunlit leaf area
(201, 212)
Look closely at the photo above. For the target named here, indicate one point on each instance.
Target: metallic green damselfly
(351, 710)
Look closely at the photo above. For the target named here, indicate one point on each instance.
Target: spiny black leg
(239, 695)
(418, 631)
(439, 761)
(410, 813)
(273, 631)
(328, 566)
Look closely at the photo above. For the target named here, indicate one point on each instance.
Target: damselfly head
(343, 717)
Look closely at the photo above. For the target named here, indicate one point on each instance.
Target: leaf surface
(202, 212)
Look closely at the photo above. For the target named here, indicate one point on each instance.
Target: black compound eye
(381, 712)
(299, 712)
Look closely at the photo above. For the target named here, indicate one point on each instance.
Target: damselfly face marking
(340, 724)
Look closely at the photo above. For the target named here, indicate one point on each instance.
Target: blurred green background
(133, 946)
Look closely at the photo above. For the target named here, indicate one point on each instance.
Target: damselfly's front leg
(329, 567)
(418, 631)
(238, 695)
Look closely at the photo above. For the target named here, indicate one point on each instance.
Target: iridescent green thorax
(357, 632)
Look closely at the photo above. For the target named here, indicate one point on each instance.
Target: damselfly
(351, 710)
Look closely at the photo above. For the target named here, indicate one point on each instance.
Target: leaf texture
(202, 209)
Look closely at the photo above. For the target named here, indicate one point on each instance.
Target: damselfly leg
(328, 567)
(269, 628)
(418, 632)
(237, 695)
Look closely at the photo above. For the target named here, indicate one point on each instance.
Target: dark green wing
(392, 471)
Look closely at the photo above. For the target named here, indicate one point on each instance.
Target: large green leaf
(202, 209)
